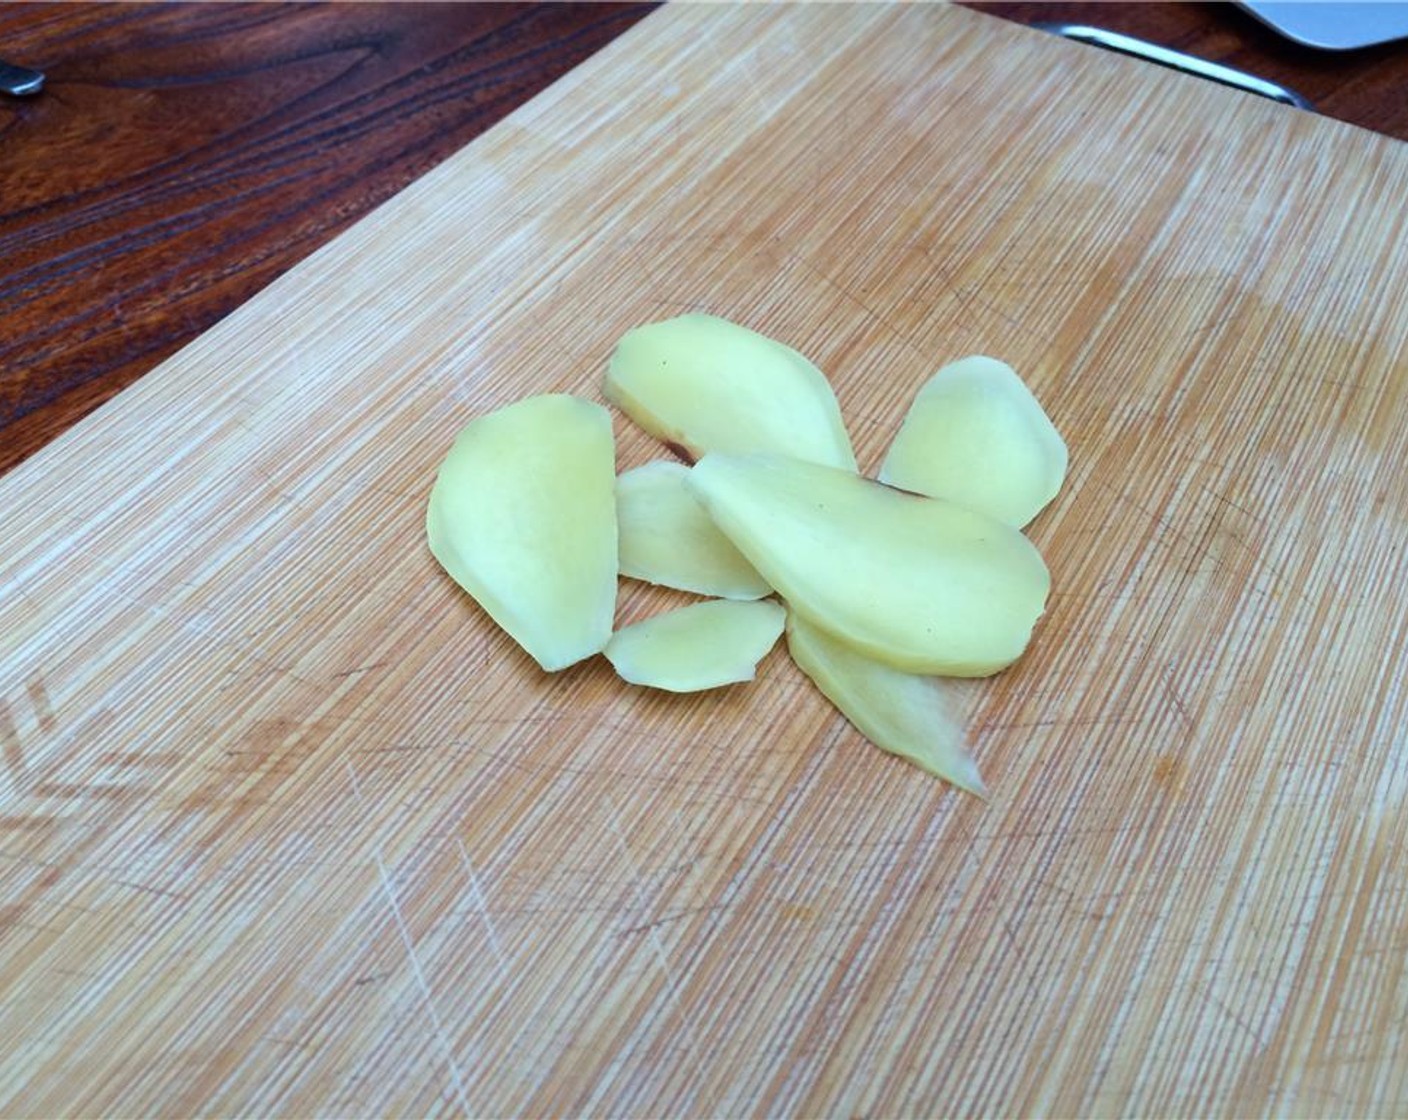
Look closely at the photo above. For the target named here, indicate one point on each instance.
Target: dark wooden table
(183, 156)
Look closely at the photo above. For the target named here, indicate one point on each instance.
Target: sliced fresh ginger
(887, 583)
(523, 517)
(975, 435)
(922, 584)
(703, 645)
(666, 538)
(903, 713)
(707, 384)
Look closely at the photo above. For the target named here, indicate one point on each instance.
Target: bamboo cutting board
(290, 829)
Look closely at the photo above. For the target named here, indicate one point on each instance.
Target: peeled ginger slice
(903, 713)
(977, 436)
(922, 584)
(707, 384)
(666, 538)
(703, 645)
(522, 515)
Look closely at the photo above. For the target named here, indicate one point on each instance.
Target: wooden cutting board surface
(288, 828)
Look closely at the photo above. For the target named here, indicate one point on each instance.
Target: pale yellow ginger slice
(703, 645)
(666, 538)
(903, 713)
(977, 436)
(706, 384)
(924, 585)
(523, 517)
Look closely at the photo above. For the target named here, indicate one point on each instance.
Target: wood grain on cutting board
(289, 828)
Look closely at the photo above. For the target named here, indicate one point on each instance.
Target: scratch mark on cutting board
(1175, 696)
(657, 946)
(1232, 1017)
(414, 959)
(674, 916)
(482, 907)
(744, 63)
(424, 987)
(872, 313)
(13, 749)
(145, 888)
(43, 706)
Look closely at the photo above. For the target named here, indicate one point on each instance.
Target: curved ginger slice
(703, 645)
(523, 517)
(666, 538)
(924, 585)
(899, 712)
(975, 435)
(710, 385)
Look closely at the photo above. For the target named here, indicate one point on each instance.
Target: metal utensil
(1176, 60)
(19, 81)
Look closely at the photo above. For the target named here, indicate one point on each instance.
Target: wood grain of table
(183, 156)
